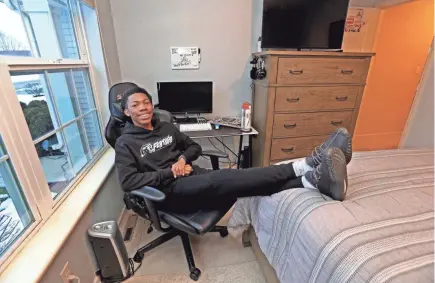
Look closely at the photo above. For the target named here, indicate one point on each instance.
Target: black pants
(206, 188)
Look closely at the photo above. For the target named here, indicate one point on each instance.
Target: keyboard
(195, 127)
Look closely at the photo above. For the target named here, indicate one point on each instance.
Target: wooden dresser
(303, 98)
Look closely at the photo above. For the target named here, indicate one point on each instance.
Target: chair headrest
(115, 94)
(117, 117)
(163, 115)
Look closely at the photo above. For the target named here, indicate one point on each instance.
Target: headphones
(258, 71)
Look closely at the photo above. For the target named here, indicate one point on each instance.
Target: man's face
(140, 109)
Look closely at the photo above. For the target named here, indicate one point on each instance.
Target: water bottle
(246, 117)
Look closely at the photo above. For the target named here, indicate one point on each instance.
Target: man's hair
(131, 91)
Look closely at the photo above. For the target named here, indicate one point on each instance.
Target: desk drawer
(315, 98)
(321, 70)
(294, 147)
(303, 124)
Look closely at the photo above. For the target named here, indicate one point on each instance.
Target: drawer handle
(347, 72)
(296, 72)
(290, 126)
(291, 100)
(287, 149)
(341, 98)
(336, 123)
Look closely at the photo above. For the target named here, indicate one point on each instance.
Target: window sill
(35, 257)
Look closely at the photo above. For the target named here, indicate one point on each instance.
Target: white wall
(110, 50)
(419, 129)
(105, 21)
(257, 22)
(145, 30)
(364, 40)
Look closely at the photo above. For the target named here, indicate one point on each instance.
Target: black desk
(227, 132)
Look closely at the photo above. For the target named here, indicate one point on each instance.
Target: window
(15, 215)
(59, 109)
(50, 129)
(37, 28)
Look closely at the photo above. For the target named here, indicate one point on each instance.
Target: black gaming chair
(147, 201)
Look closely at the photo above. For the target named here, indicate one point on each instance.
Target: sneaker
(330, 177)
(339, 139)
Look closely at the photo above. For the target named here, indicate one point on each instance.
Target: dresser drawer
(303, 124)
(315, 98)
(321, 70)
(294, 147)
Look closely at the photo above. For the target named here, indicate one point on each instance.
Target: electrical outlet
(65, 273)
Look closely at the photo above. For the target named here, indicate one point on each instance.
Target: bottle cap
(246, 105)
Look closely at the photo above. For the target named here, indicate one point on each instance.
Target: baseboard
(121, 215)
(122, 220)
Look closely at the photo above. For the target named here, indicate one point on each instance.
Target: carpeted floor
(219, 259)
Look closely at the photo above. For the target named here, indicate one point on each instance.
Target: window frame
(19, 143)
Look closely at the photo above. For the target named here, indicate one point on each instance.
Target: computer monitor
(186, 97)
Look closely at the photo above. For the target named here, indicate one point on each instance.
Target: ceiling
(355, 3)
(376, 3)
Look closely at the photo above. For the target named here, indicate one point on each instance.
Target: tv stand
(320, 50)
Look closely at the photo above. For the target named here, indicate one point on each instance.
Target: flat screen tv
(303, 24)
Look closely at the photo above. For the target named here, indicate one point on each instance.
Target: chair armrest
(214, 153)
(149, 193)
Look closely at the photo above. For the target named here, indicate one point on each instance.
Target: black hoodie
(144, 157)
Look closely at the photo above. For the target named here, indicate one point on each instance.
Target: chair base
(195, 273)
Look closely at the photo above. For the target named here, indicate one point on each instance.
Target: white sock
(301, 167)
(307, 184)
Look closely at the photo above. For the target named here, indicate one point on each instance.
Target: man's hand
(187, 169)
(178, 168)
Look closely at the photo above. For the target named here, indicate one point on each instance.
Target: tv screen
(303, 24)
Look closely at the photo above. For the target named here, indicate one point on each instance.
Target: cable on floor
(225, 146)
(131, 272)
(229, 160)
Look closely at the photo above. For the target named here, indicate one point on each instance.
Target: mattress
(382, 232)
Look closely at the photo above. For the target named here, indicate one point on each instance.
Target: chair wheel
(223, 233)
(195, 274)
(138, 258)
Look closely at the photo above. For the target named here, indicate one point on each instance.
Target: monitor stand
(188, 120)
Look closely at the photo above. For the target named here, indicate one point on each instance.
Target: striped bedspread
(382, 232)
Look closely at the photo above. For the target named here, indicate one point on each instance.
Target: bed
(382, 232)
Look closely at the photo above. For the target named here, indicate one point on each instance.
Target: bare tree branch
(34, 89)
(8, 43)
(8, 231)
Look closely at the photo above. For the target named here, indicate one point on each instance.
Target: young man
(154, 153)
